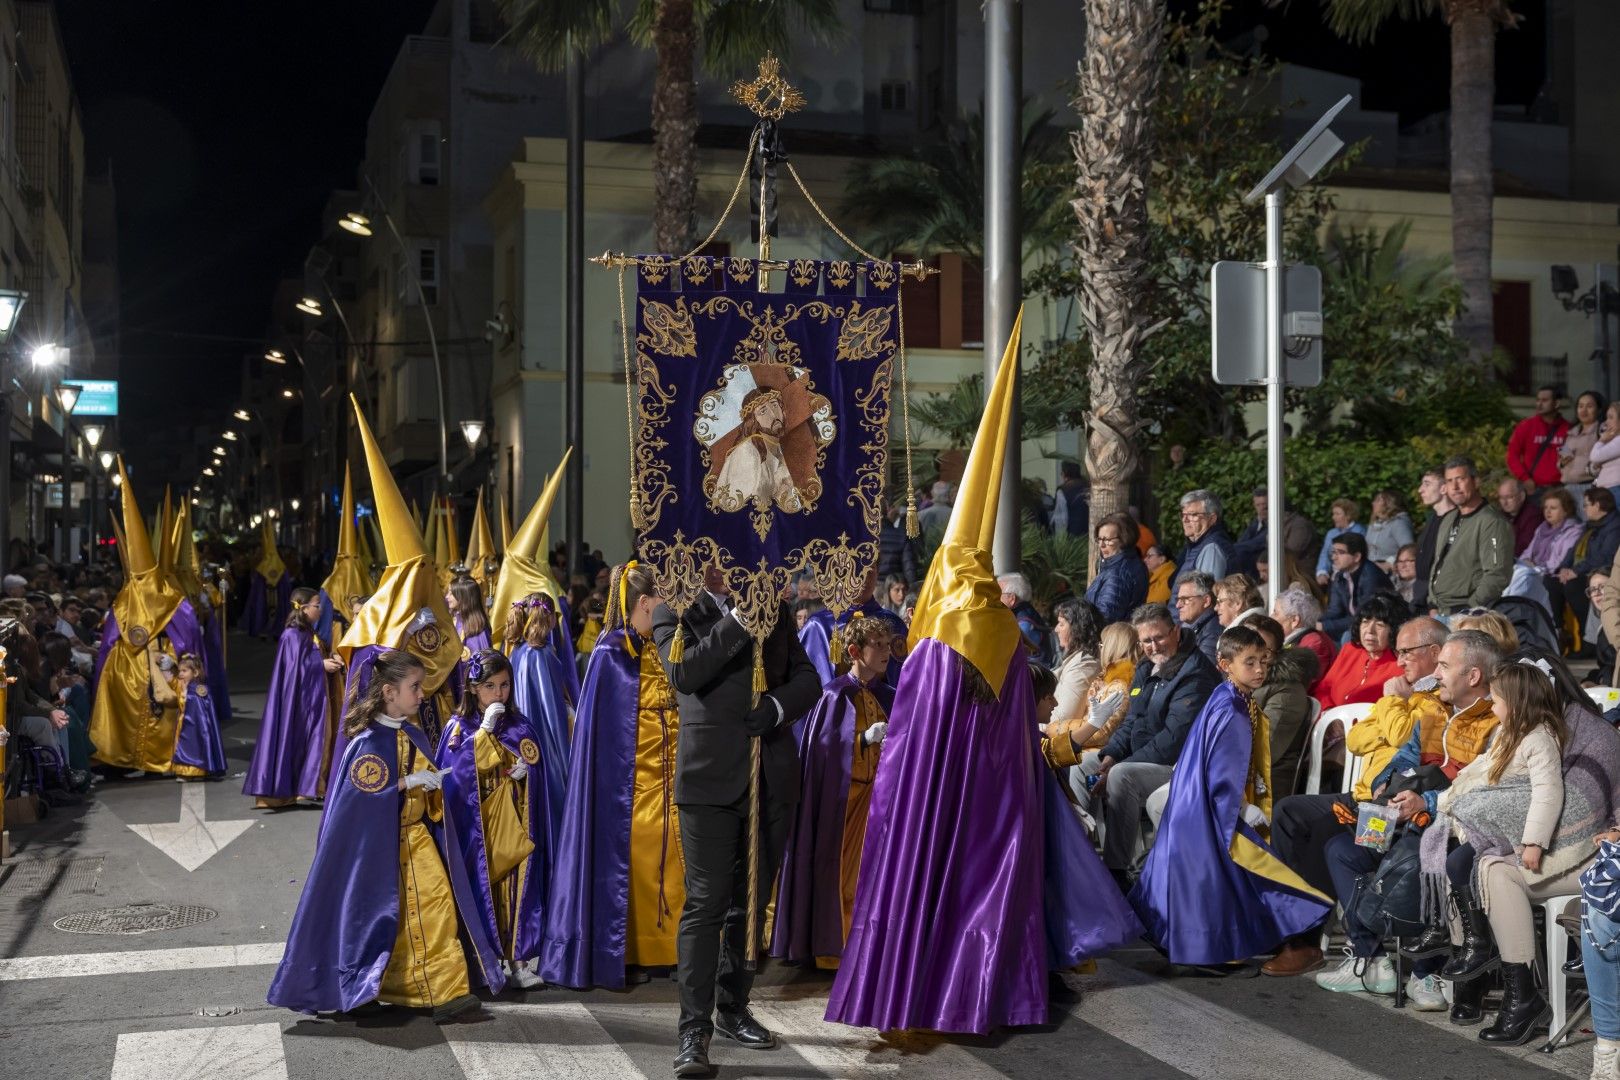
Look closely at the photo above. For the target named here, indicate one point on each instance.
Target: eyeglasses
(1402, 654)
(1595, 591)
(1187, 599)
(1186, 514)
(1107, 540)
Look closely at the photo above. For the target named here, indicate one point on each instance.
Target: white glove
(1102, 708)
(492, 713)
(1255, 816)
(426, 779)
(874, 735)
(518, 771)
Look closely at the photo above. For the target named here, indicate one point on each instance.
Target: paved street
(189, 1001)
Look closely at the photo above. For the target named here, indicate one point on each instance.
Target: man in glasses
(1209, 546)
(1302, 824)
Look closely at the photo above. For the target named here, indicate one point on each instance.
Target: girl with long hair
(466, 603)
(292, 754)
(618, 881)
(199, 751)
(490, 756)
(540, 691)
(377, 919)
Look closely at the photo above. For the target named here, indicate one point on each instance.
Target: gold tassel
(759, 668)
(913, 526)
(677, 646)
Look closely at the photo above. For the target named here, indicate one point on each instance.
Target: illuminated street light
(67, 396)
(295, 505)
(276, 356)
(93, 434)
(107, 457)
(310, 306)
(356, 223)
(472, 431)
(219, 451)
(208, 471)
(229, 436)
(49, 355)
(289, 393)
(242, 414)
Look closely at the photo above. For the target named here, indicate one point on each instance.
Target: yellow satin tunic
(657, 868)
(493, 761)
(123, 726)
(862, 771)
(427, 968)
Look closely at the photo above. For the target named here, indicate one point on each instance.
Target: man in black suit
(714, 684)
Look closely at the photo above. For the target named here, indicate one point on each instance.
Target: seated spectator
(1356, 578)
(1195, 606)
(1406, 574)
(1473, 555)
(1367, 661)
(1017, 595)
(1120, 584)
(1594, 550)
(1284, 699)
(1388, 530)
(1605, 452)
(1527, 810)
(1522, 513)
(1555, 537)
(1237, 599)
(27, 713)
(1079, 640)
(1345, 512)
(1209, 548)
(1170, 686)
(1596, 589)
(1298, 533)
(1575, 456)
(1430, 759)
(1160, 572)
(1105, 704)
(1493, 624)
(1298, 612)
(1293, 576)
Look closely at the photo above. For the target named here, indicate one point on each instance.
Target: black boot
(1434, 941)
(1477, 953)
(1468, 1002)
(1523, 1009)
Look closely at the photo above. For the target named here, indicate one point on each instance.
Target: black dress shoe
(693, 1060)
(743, 1028)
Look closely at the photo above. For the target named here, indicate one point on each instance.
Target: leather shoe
(693, 1060)
(743, 1028)
(1293, 959)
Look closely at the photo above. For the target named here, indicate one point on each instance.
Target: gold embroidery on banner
(838, 569)
(862, 335)
(698, 269)
(655, 268)
(652, 471)
(669, 329)
(874, 405)
(741, 270)
(881, 276)
(803, 272)
(841, 272)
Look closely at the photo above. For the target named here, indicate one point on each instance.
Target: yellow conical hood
(166, 525)
(959, 604)
(148, 599)
(506, 526)
(416, 519)
(187, 567)
(521, 572)
(123, 546)
(350, 579)
(407, 609)
(452, 533)
(270, 566)
(401, 531)
(370, 542)
(480, 544)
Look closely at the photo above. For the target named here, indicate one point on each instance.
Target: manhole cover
(134, 919)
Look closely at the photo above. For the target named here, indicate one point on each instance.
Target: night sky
(225, 126)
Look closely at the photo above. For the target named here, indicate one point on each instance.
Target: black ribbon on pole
(768, 153)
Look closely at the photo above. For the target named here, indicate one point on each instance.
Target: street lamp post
(92, 438)
(67, 398)
(11, 304)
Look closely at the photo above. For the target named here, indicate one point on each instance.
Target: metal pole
(5, 460)
(1274, 396)
(574, 308)
(1003, 245)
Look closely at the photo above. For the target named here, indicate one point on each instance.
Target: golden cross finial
(768, 95)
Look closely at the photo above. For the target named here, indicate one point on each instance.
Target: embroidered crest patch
(529, 752)
(369, 773)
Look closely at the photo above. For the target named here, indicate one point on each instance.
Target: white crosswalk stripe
(236, 1052)
(559, 1039)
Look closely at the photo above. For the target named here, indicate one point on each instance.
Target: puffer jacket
(1285, 701)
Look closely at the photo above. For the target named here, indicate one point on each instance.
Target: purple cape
(816, 637)
(343, 932)
(539, 691)
(358, 677)
(213, 655)
(197, 742)
(1198, 904)
(562, 643)
(474, 898)
(871, 609)
(292, 736)
(950, 931)
(261, 613)
(809, 913)
(590, 885)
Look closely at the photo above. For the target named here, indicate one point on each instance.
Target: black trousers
(710, 944)
(1301, 826)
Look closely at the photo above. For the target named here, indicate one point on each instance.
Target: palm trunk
(1473, 82)
(1119, 78)
(674, 123)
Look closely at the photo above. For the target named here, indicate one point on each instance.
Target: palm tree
(732, 37)
(1473, 24)
(931, 200)
(1113, 152)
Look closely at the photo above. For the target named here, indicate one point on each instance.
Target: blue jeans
(1347, 861)
(1600, 949)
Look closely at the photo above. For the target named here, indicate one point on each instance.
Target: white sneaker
(1605, 1061)
(1426, 994)
(524, 977)
(1358, 975)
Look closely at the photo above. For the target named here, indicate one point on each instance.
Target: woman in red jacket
(1367, 661)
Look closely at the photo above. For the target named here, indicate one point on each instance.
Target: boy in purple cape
(977, 878)
(505, 868)
(1212, 891)
(842, 738)
(377, 918)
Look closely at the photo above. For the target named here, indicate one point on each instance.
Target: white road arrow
(192, 840)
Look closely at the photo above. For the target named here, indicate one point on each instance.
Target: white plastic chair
(1557, 947)
(1346, 716)
(1604, 697)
